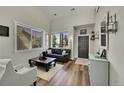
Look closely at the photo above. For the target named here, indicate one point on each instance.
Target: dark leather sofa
(57, 53)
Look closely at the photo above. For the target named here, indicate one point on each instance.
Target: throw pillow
(63, 52)
(49, 51)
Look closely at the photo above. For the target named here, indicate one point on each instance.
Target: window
(103, 39)
(60, 40)
(56, 40)
(65, 40)
(46, 39)
(103, 34)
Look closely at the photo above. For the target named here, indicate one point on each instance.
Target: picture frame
(83, 31)
(22, 37)
(4, 31)
(27, 37)
(36, 39)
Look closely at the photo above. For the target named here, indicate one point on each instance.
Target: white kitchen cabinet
(98, 71)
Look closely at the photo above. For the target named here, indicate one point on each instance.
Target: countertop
(96, 58)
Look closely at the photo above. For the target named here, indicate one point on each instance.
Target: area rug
(82, 61)
(41, 72)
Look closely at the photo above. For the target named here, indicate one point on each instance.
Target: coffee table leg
(55, 64)
(30, 63)
(47, 67)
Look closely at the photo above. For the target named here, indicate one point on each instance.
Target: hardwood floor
(70, 75)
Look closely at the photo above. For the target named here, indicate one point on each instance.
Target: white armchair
(22, 76)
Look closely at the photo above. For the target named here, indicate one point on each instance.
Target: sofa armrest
(67, 56)
(4, 61)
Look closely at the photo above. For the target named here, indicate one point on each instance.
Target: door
(83, 46)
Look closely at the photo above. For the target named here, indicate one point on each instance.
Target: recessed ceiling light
(55, 14)
(72, 9)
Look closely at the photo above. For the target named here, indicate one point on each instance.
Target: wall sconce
(112, 24)
(94, 35)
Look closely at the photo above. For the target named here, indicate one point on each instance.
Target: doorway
(83, 46)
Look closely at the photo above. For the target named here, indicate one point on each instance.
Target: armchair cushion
(25, 70)
(18, 67)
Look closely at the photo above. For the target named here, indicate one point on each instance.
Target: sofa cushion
(49, 51)
(67, 50)
(57, 55)
(57, 51)
(63, 52)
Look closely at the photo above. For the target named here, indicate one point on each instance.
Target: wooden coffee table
(46, 63)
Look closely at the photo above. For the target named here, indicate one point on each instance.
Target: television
(4, 31)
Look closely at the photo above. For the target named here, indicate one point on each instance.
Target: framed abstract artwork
(23, 37)
(36, 39)
(26, 37)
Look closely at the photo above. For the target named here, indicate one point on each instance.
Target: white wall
(67, 24)
(116, 45)
(32, 16)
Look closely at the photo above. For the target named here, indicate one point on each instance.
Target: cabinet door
(98, 72)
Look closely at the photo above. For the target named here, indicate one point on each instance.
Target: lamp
(112, 24)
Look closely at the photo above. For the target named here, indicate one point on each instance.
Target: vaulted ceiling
(62, 11)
